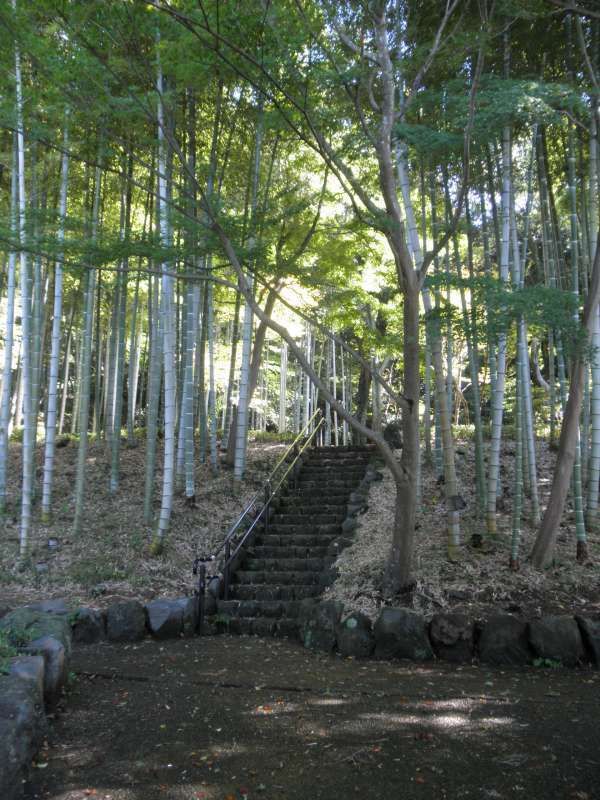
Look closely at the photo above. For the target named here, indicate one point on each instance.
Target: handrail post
(226, 571)
(199, 569)
(201, 596)
(267, 506)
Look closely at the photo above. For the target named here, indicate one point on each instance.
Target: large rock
(590, 633)
(318, 624)
(126, 621)
(503, 641)
(401, 633)
(189, 609)
(557, 638)
(452, 637)
(24, 625)
(29, 668)
(55, 665)
(355, 636)
(88, 626)
(165, 618)
(22, 724)
(56, 606)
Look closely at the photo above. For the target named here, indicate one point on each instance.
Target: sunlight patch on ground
(328, 701)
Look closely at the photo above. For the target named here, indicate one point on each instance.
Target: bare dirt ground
(481, 579)
(111, 557)
(239, 718)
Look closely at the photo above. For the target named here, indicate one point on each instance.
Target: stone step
(259, 608)
(263, 591)
(268, 565)
(279, 578)
(310, 530)
(290, 551)
(296, 518)
(302, 540)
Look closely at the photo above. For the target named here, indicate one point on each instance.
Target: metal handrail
(268, 492)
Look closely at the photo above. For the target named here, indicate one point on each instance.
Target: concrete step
(337, 470)
(325, 505)
(259, 608)
(269, 565)
(310, 530)
(326, 486)
(263, 591)
(340, 451)
(302, 540)
(282, 551)
(323, 493)
(296, 518)
(278, 578)
(261, 626)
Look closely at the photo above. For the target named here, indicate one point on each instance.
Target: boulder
(24, 625)
(318, 623)
(126, 621)
(355, 636)
(29, 668)
(349, 525)
(165, 618)
(557, 638)
(55, 665)
(401, 633)
(452, 637)
(590, 633)
(503, 641)
(88, 626)
(189, 610)
(22, 724)
(57, 606)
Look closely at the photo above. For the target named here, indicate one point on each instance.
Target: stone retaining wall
(32, 682)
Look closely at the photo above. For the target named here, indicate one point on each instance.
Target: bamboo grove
(220, 216)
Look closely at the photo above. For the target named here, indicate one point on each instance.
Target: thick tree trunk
(399, 565)
(543, 550)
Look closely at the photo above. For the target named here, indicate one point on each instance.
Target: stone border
(43, 634)
(32, 682)
(501, 640)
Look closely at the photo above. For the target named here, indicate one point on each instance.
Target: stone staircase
(291, 561)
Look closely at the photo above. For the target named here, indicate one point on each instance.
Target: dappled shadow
(210, 720)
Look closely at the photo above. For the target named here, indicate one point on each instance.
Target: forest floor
(480, 580)
(243, 718)
(111, 558)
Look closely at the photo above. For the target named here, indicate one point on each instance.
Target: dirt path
(233, 717)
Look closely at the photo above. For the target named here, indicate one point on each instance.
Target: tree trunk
(543, 550)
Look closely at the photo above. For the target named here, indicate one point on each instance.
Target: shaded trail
(207, 718)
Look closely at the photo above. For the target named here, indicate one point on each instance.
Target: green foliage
(547, 663)
(8, 650)
(89, 571)
(272, 436)
(541, 307)
(16, 435)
